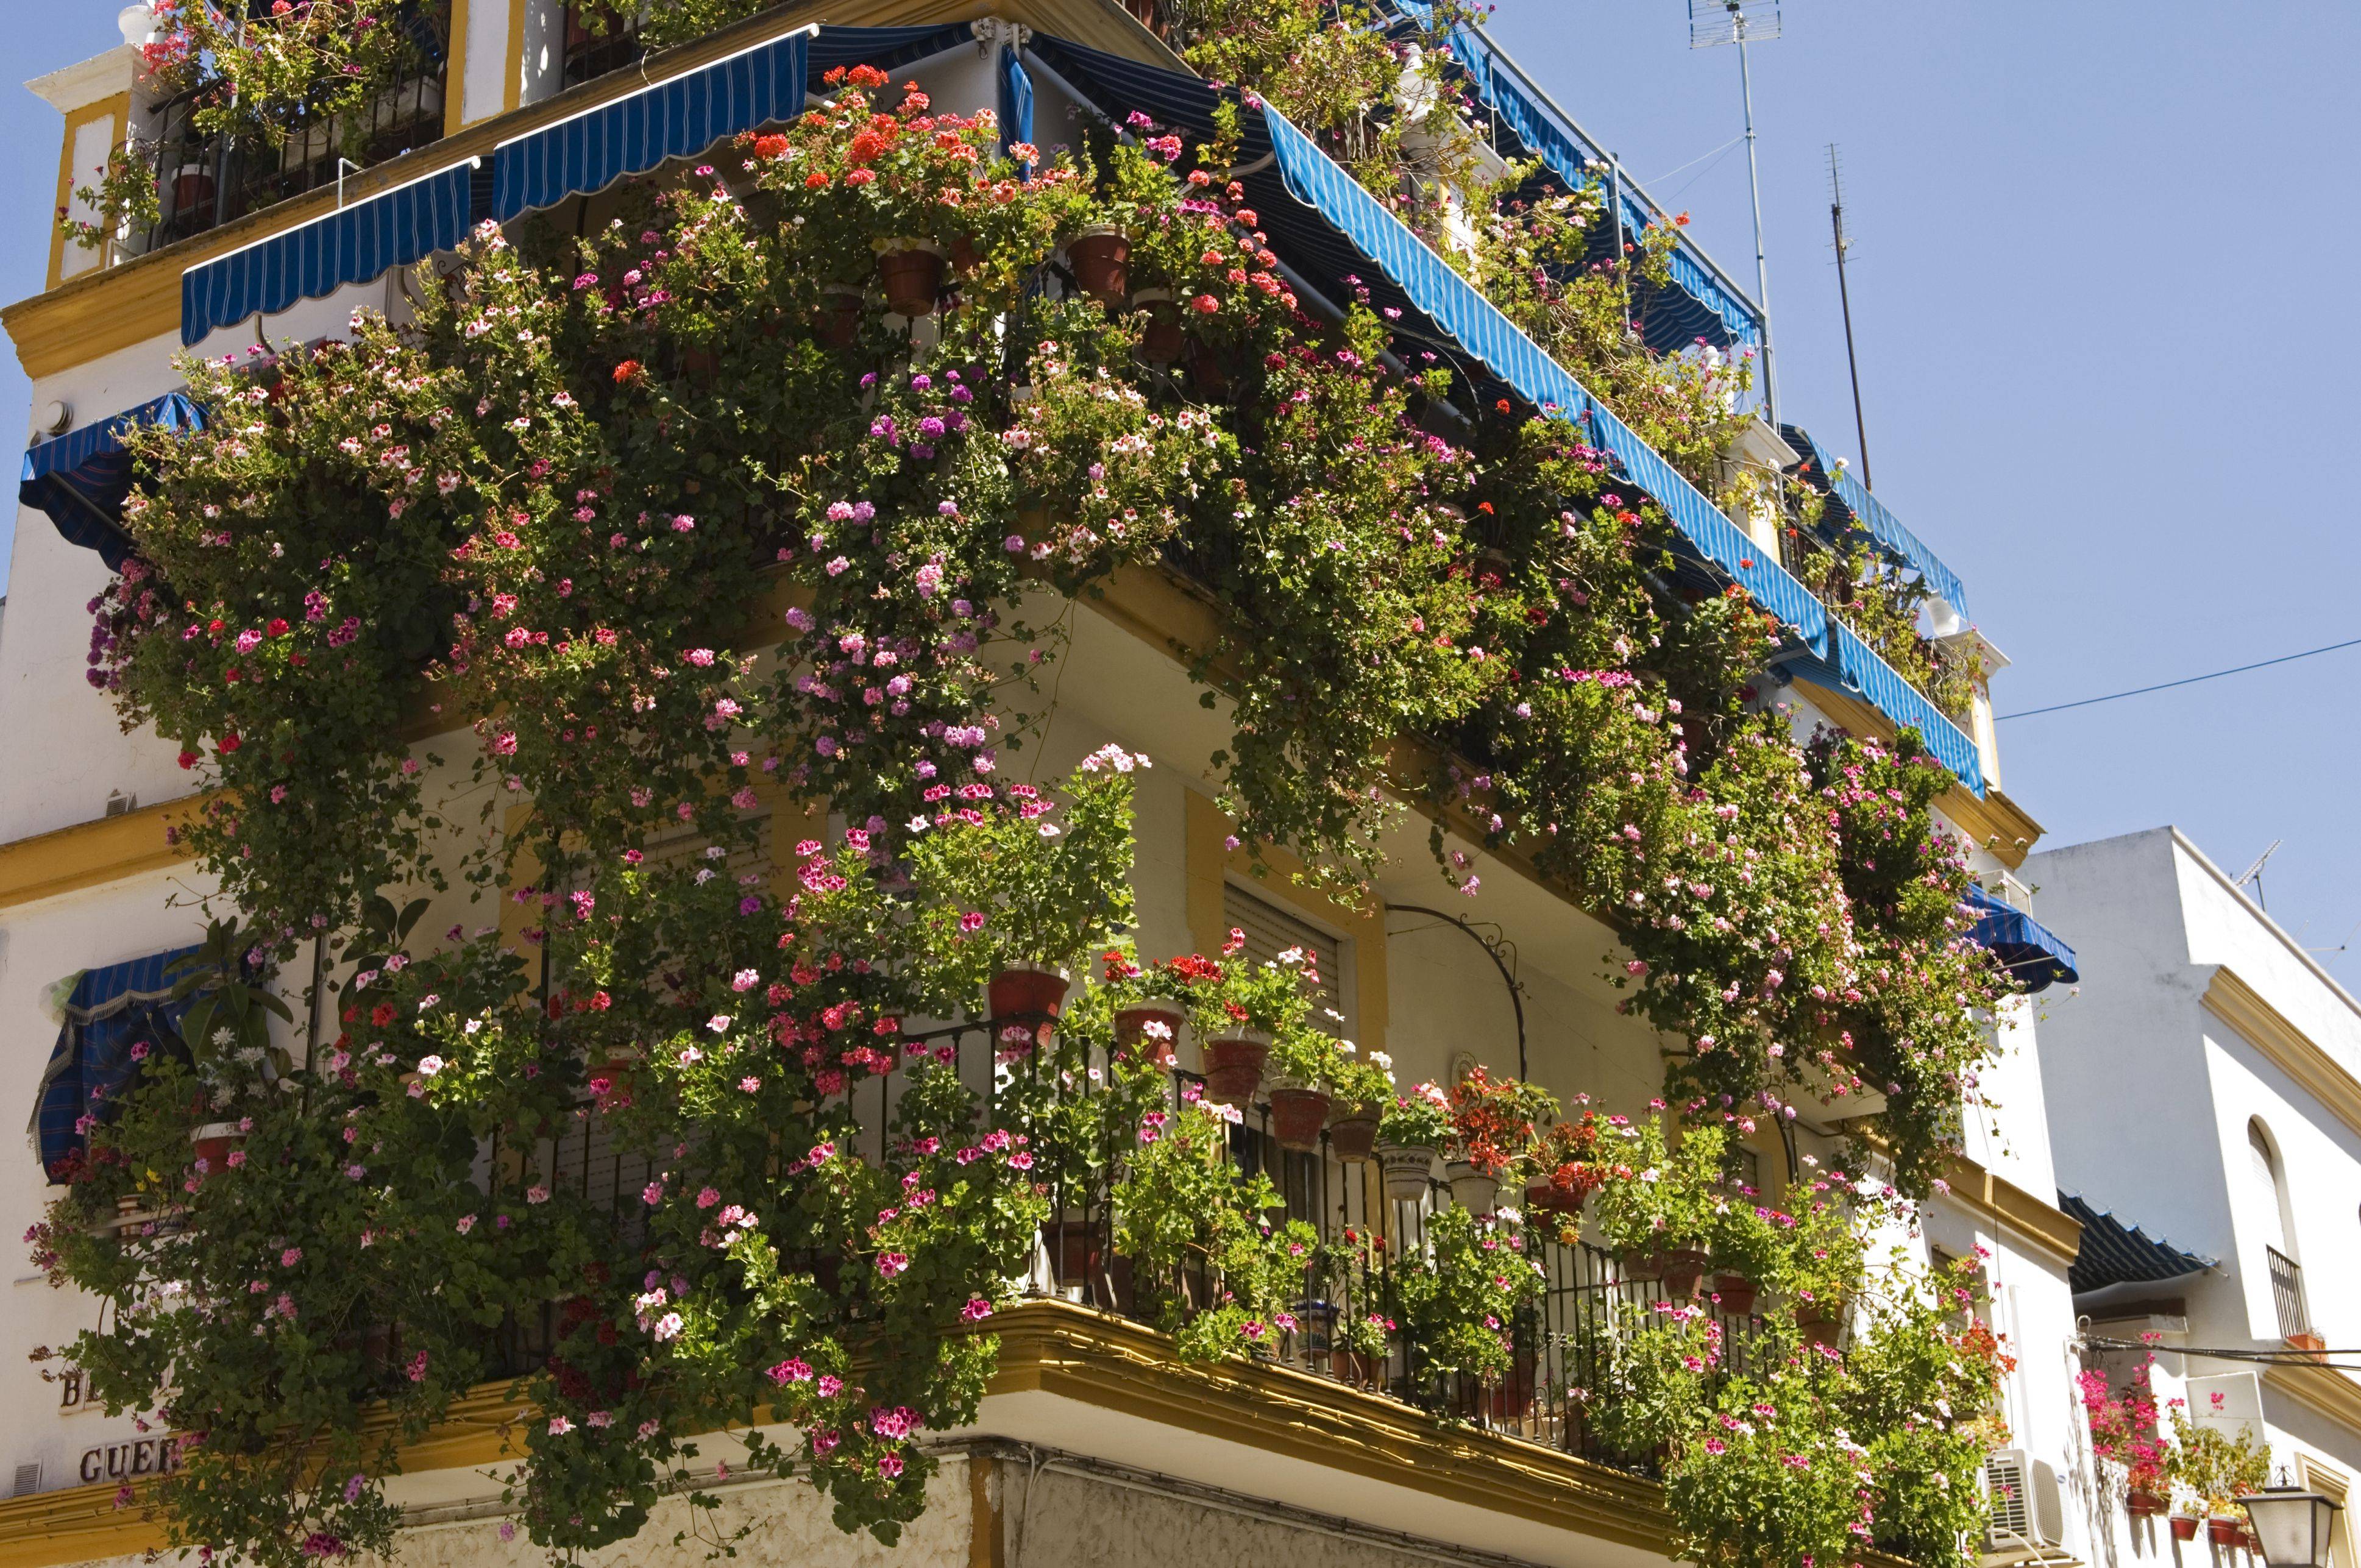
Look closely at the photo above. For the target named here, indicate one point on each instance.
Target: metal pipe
(1516, 991)
(1761, 262)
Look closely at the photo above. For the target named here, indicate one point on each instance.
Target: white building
(2205, 1086)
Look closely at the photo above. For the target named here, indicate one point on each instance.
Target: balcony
(2287, 1302)
(206, 180)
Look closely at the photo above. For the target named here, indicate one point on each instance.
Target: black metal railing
(600, 38)
(204, 180)
(1562, 1349)
(2287, 1293)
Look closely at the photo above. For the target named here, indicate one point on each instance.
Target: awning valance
(2115, 1253)
(109, 1015)
(676, 117)
(351, 245)
(81, 478)
(2025, 947)
(1849, 501)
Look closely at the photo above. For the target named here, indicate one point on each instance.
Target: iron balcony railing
(1562, 1349)
(205, 181)
(2287, 1293)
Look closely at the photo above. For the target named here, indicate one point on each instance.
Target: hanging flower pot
(1353, 1134)
(700, 365)
(1209, 374)
(2139, 1502)
(1683, 1267)
(1100, 257)
(1233, 1065)
(1406, 1167)
(911, 273)
(1473, 1190)
(1134, 1036)
(1822, 1324)
(2184, 1527)
(1643, 1267)
(214, 1142)
(1298, 1112)
(1023, 999)
(836, 320)
(1161, 338)
(965, 256)
(1564, 1192)
(2225, 1531)
(1737, 1293)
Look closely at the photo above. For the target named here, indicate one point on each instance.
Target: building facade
(1094, 1440)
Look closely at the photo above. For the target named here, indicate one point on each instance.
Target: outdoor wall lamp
(2295, 1527)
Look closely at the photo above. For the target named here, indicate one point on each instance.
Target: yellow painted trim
(1995, 822)
(2295, 1053)
(454, 72)
(2011, 1208)
(1211, 865)
(90, 853)
(119, 109)
(512, 90)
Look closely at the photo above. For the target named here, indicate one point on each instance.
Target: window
(2265, 1167)
(1270, 931)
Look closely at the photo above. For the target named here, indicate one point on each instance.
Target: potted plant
(1413, 1131)
(1304, 1061)
(1161, 336)
(1236, 1019)
(1492, 1123)
(2184, 1524)
(1363, 1085)
(836, 319)
(1149, 1005)
(1100, 258)
(1659, 1217)
(910, 270)
(1563, 1166)
(2216, 1463)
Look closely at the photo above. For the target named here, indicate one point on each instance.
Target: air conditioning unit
(2028, 1513)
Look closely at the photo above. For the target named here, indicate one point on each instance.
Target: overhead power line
(2187, 681)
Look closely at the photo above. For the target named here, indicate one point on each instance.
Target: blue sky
(2098, 261)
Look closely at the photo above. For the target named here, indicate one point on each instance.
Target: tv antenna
(1844, 295)
(2254, 874)
(1744, 22)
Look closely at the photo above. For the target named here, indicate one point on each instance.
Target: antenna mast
(1742, 22)
(1852, 363)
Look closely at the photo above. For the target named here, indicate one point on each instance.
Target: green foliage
(1418, 1119)
(1461, 1294)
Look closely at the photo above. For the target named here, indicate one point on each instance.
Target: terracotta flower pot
(1100, 260)
(1026, 996)
(836, 320)
(1551, 1197)
(1822, 1324)
(1737, 1293)
(911, 273)
(1131, 1031)
(1406, 1167)
(1161, 337)
(699, 364)
(1208, 375)
(213, 1141)
(1233, 1065)
(2225, 1531)
(1298, 1112)
(1478, 1191)
(1682, 1266)
(2184, 1527)
(1353, 1369)
(2138, 1502)
(964, 256)
(1353, 1134)
(193, 188)
(1643, 1267)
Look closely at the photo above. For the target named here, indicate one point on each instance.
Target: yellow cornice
(1994, 822)
(1094, 1359)
(2011, 1208)
(2295, 1053)
(102, 311)
(90, 853)
(2323, 1389)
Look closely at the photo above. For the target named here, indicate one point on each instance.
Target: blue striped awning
(2024, 945)
(82, 479)
(351, 245)
(2113, 1252)
(1016, 102)
(110, 1011)
(1717, 310)
(677, 118)
(1849, 501)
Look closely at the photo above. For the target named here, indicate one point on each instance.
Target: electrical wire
(2186, 681)
(2258, 1357)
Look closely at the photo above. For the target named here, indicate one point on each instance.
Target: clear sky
(2100, 255)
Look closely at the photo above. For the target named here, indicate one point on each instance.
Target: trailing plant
(1461, 1292)
(1493, 1120)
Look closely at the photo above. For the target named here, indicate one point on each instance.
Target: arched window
(2269, 1198)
